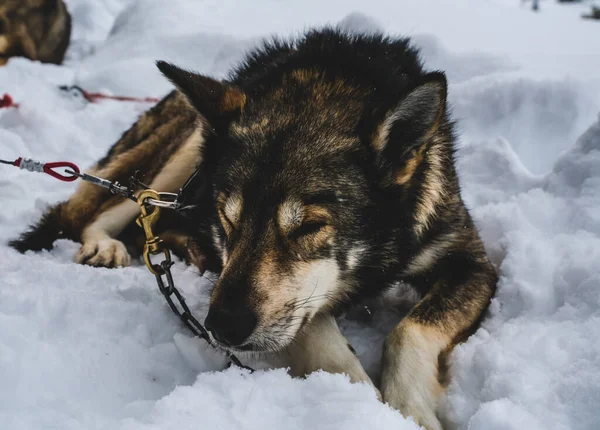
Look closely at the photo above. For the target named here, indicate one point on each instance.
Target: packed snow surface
(87, 348)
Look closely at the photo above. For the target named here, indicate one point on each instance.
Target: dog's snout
(230, 326)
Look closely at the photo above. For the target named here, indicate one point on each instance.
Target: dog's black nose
(231, 327)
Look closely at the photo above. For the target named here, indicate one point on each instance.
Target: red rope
(49, 170)
(93, 97)
(7, 102)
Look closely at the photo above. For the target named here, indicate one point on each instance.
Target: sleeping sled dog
(325, 175)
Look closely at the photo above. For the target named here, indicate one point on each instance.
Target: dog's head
(296, 175)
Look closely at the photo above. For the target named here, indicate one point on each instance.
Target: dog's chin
(259, 344)
(268, 346)
(246, 347)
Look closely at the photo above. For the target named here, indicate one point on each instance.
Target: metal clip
(147, 220)
(113, 187)
(165, 200)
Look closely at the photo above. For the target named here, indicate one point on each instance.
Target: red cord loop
(49, 166)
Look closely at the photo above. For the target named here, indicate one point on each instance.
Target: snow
(86, 348)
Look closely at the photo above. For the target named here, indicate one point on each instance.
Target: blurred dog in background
(35, 29)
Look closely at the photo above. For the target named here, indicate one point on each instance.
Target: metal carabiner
(147, 220)
(165, 200)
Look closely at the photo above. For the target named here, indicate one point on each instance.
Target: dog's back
(37, 29)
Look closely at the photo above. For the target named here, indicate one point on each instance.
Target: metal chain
(154, 246)
(181, 309)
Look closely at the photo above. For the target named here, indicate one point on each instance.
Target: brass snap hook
(147, 220)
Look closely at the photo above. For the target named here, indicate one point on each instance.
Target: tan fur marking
(289, 216)
(230, 210)
(304, 76)
(233, 99)
(180, 166)
(379, 137)
(321, 90)
(403, 176)
(434, 188)
(436, 125)
(321, 346)
(244, 129)
(316, 213)
(4, 44)
(354, 256)
(444, 366)
(113, 220)
(313, 241)
(410, 379)
(268, 280)
(236, 254)
(429, 254)
(142, 152)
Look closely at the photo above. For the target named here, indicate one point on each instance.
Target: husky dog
(325, 175)
(36, 29)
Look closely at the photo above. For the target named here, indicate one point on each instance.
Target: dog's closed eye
(307, 229)
(229, 209)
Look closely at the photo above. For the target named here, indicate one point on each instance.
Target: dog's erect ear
(216, 101)
(401, 135)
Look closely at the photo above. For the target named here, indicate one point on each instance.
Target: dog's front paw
(420, 413)
(104, 253)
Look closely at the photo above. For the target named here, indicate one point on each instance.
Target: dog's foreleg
(414, 368)
(100, 246)
(409, 380)
(321, 346)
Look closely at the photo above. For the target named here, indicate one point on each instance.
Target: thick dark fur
(36, 29)
(327, 177)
